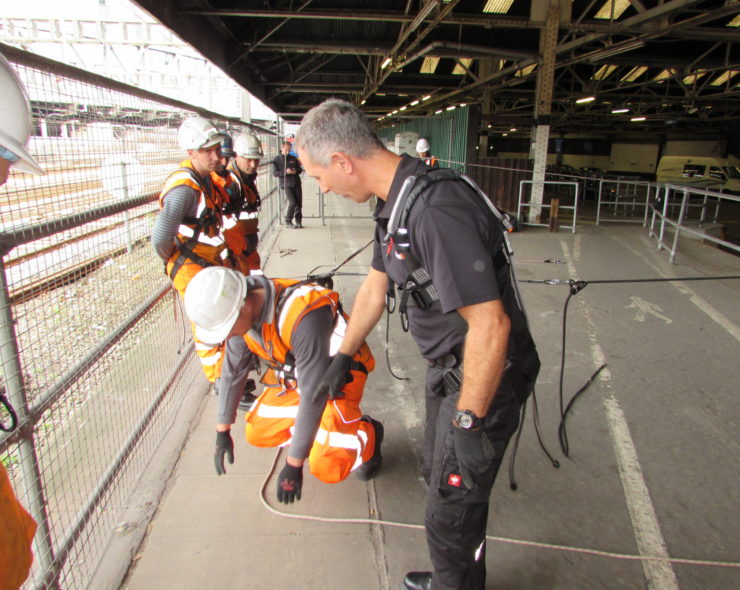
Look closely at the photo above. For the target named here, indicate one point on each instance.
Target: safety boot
(418, 581)
(369, 468)
(248, 399)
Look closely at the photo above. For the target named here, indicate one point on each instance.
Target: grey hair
(336, 126)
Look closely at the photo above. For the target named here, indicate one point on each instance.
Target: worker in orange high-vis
(295, 327)
(237, 173)
(17, 528)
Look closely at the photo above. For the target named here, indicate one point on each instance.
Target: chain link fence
(96, 357)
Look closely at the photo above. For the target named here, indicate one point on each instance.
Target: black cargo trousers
(456, 516)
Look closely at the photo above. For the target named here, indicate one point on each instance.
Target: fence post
(12, 372)
(681, 214)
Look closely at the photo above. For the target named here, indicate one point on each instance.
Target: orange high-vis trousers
(16, 534)
(343, 441)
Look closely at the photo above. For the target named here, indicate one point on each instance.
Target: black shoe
(418, 581)
(289, 225)
(298, 225)
(249, 398)
(369, 469)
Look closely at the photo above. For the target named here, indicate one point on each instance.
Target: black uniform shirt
(279, 166)
(454, 236)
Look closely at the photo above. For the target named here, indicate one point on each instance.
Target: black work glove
(290, 482)
(337, 375)
(474, 452)
(224, 446)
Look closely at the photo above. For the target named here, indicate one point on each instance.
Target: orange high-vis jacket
(200, 241)
(17, 529)
(244, 204)
(343, 440)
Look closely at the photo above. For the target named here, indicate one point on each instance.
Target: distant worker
(243, 168)
(287, 169)
(17, 528)
(295, 327)
(422, 148)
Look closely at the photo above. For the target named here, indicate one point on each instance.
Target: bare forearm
(485, 355)
(367, 310)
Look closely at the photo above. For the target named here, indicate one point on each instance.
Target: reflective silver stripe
(361, 437)
(245, 215)
(340, 327)
(338, 440)
(266, 411)
(229, 221)
(299, 292)
(209, 361)
(188, 232)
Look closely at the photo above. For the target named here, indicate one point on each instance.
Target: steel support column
(545, 82)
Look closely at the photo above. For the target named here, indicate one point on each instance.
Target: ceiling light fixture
(617, 111)
(450, 108)
(438, 112)
(384, 65)
(413, 104)
(427, 97)
(586, 99)
(637, 119)
(402, 108)
(616, 49)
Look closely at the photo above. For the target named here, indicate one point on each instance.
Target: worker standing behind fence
(287, 169)
(17, 528)
(188, 234)
(294, 326)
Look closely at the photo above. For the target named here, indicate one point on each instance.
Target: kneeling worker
(295, 327)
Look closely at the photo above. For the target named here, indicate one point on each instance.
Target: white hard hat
(213, 299)
(423, 145)
(248, 146)
(196, 133)
(15, 118)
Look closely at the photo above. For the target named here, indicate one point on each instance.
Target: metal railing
(521, 203)
(630, 196)
(670, 197)
(94, 360)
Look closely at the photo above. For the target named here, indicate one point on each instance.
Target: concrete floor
(653, 467)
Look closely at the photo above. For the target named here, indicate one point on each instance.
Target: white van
(701, 172)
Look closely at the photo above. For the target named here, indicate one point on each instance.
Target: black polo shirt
(454, 236)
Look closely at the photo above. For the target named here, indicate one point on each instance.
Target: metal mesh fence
(96, 357)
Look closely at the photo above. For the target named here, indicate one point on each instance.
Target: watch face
(464, 420)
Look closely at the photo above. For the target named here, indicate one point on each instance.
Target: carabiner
(13, 416)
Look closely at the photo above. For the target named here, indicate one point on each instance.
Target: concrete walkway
(652, 471)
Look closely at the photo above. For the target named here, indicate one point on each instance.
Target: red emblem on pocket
(454, 480)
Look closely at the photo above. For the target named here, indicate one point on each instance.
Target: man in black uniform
(467, 428)
(287, 169)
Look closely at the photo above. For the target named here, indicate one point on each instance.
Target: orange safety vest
(343, 441)
(431, 161)
(200, 242)
(17, 529)
(244, 204)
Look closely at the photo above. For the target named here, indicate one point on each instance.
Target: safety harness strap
(418, 290)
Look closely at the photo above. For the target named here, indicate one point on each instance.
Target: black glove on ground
(289, 484)
(224, 446)
(474, 452)
(337, 375)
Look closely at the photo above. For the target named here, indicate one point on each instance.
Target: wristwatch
(466, 420)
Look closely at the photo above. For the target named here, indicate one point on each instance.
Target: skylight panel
(459, 69)
(634, 74)
(606, 9)
(498, 6)
(604, 72)
(429, 65)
